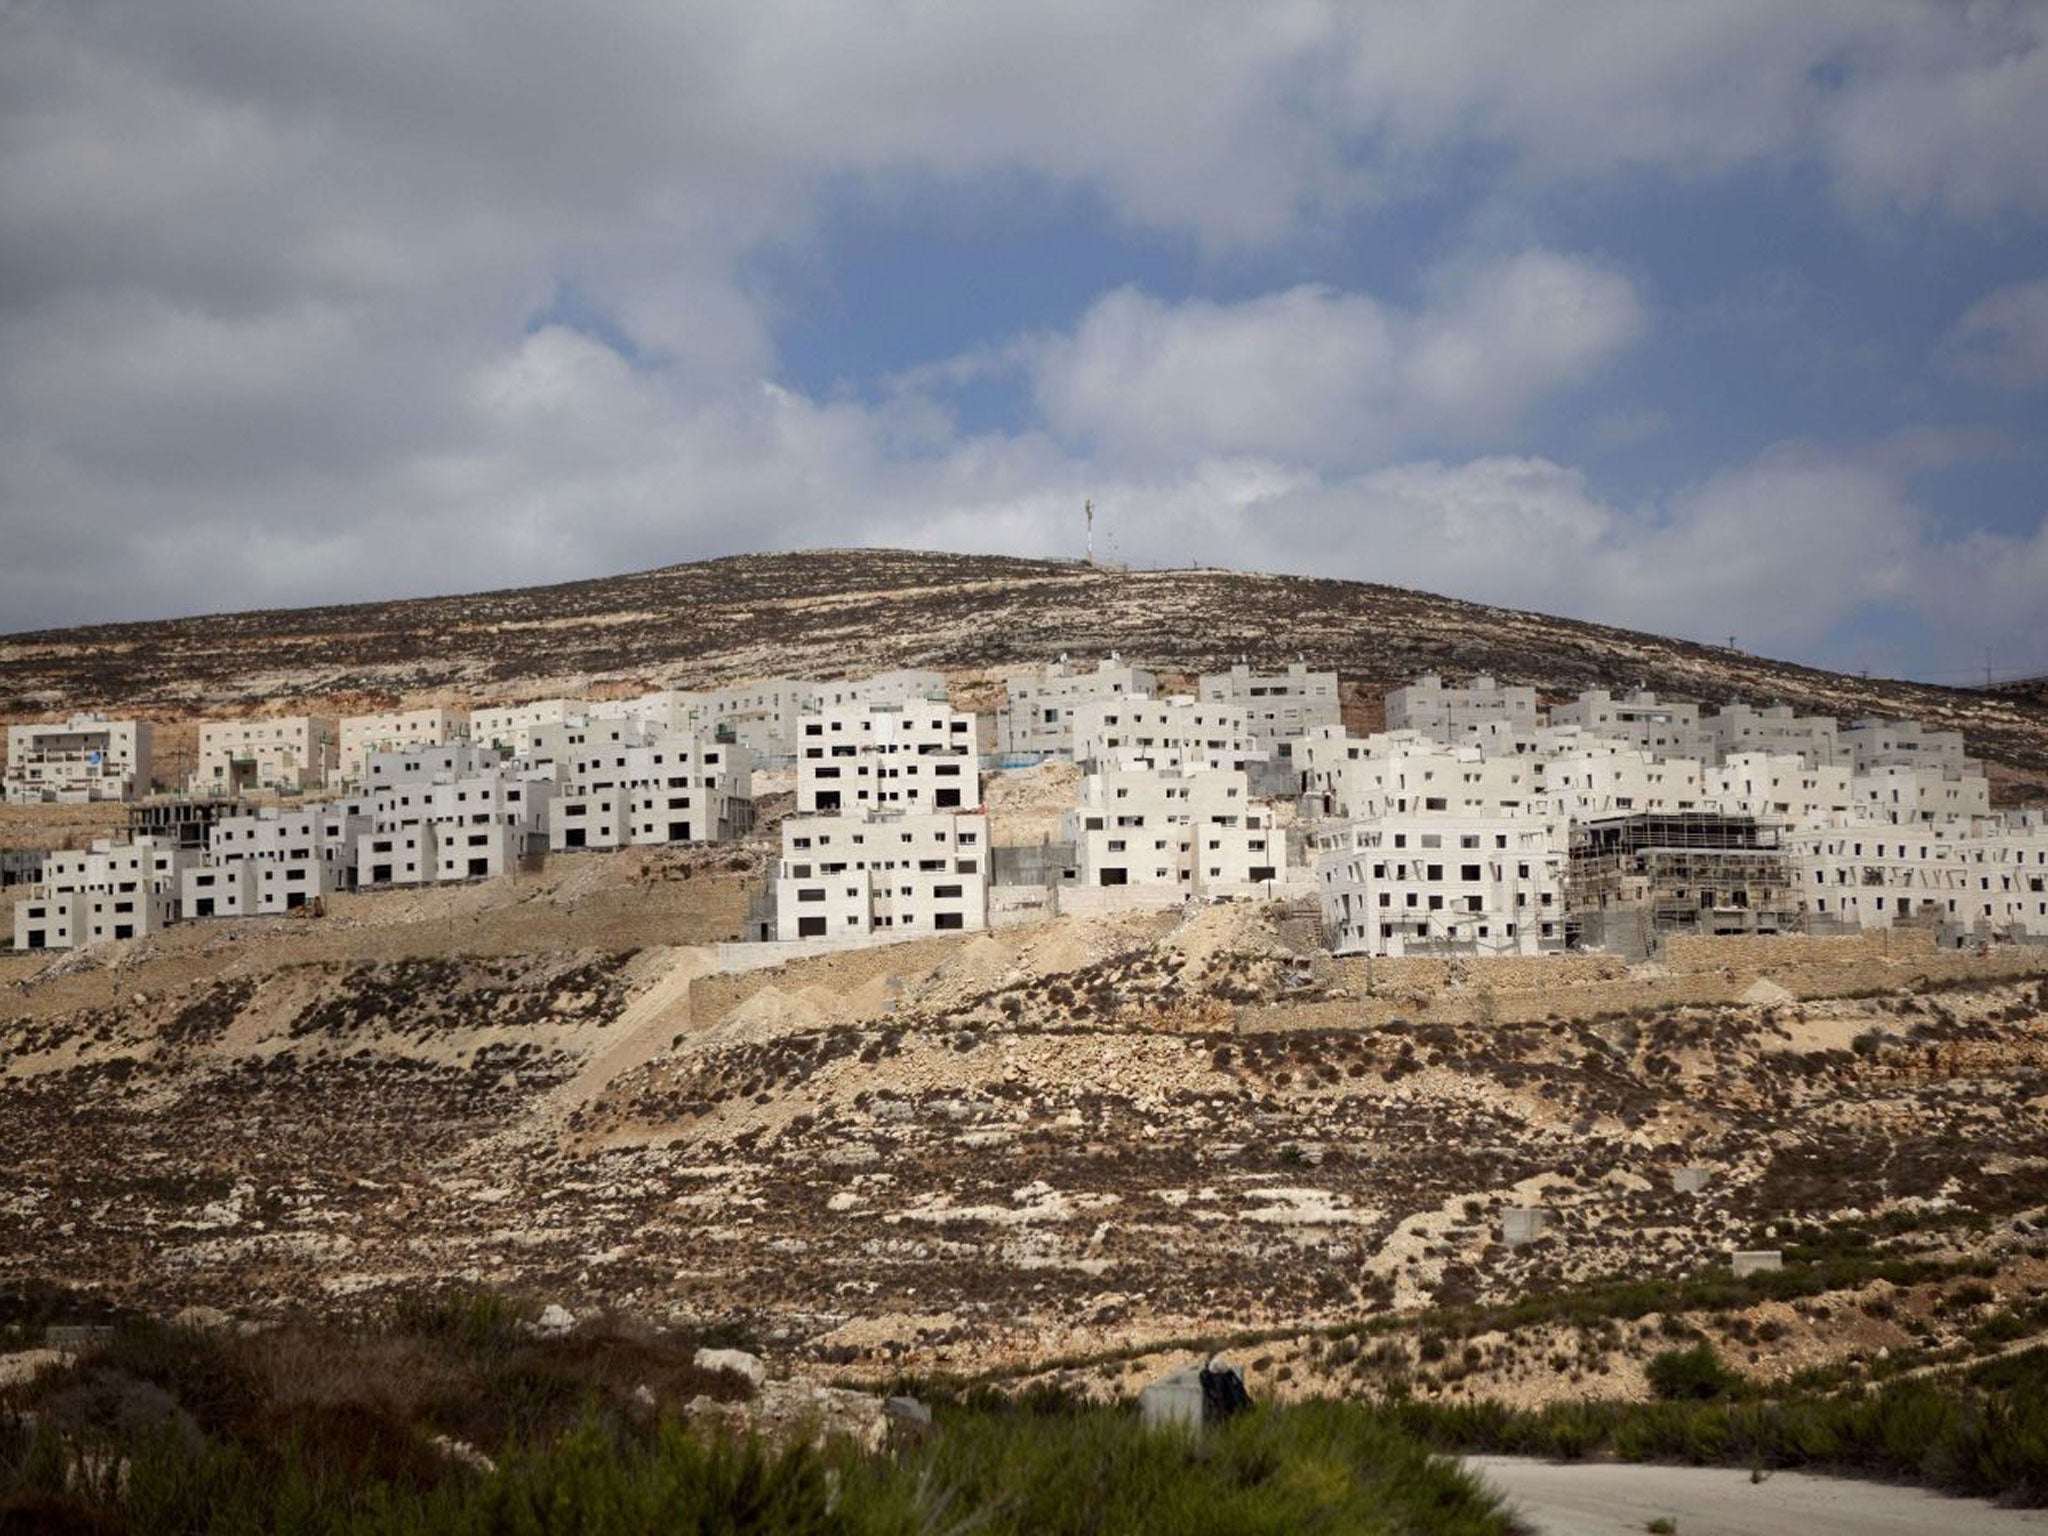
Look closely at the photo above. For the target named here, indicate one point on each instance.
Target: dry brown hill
(840, 612)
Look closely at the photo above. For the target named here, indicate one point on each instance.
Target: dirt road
(1608, 1499)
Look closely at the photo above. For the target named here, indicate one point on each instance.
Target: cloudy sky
(1715, 319)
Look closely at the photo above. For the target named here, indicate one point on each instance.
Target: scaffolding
(1631, 881)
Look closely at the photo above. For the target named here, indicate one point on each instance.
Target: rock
(907, 1420)
(203, 1319)
(555, 1322)
(736, 1361)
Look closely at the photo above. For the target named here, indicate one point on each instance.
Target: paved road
(1609, 1499)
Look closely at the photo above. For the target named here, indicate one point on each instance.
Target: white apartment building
(470, 826)
(293, 857)
(1036, 720)
(1403, 772)
(1927, 796)
(1177, 732)
(1615, 779)
(396, 731)
(1661, 727)
(1450, 714)
(1433, 884)
(1195, 831)
(296, 753)
(1903, 744)
(888, 758)
(1775, 729)
(906, 685)
(764, 716)
(848, 876)
(114, 890)
(1780, 787)
(1278, 706)
(553, 749)
(503, 725)
(424, 765)
(87, 757)
(680, 788)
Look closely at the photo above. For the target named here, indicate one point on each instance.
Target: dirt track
(1607, 1498)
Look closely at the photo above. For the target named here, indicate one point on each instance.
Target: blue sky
(1728, 318)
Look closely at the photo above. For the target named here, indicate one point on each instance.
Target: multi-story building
(1660, 727)
(1036, 719)
(450, 813)
(1903, 744)
(764, 716)
(1781, 787)
(901, 875)
(1278, 706)
(1774, 729)
(1451, 714)
(296, 753)
(680, 788)
(1176, 732)
(396, 731)
(1929, 796)
(294, 857)
(1442, 884)
(1399, 772)
(503, 726)
(888, 758)
(114, 890)
(1195, 831)
(87, 757)
(1613, 778)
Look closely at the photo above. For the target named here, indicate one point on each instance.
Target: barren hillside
(841, 612)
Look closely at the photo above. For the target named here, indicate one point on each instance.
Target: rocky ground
(1071, 1146)
(837, 613)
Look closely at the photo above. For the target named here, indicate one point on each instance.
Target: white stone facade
(1777, 730)
(888, 758)
(678, 788)
(1036, 719)
(853, 876)
(114, 890)
(1197, 832)
(1278, 706)
(295, 753)
(1450, 714)
(1661, 727)
(1408, 884)
(1177, 732)
(87, 757)
(396, 731)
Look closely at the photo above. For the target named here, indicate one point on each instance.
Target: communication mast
(1088, 511)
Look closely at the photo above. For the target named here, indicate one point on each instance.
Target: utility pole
(1088, 511)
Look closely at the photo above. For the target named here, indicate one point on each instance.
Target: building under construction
(1632, 880)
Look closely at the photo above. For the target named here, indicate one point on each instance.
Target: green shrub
(1690, 1375)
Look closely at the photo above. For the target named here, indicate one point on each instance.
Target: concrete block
(1173, 1400)
(1754, 1261)
(1521, 1225)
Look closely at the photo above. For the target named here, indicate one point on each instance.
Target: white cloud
(2003, 338)
(268, 270)
(1334, 378)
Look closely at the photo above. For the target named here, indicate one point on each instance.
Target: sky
(1717, 319)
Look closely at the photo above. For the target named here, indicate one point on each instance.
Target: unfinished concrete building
(888, 757)
(1631, 881)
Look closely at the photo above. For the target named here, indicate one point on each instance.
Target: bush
(1690, 1375)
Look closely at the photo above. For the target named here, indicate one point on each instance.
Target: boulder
(736, 1361)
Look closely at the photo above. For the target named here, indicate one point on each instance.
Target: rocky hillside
(1080, 1141)
(840, 612)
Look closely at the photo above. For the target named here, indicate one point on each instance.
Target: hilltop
(832, 613)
